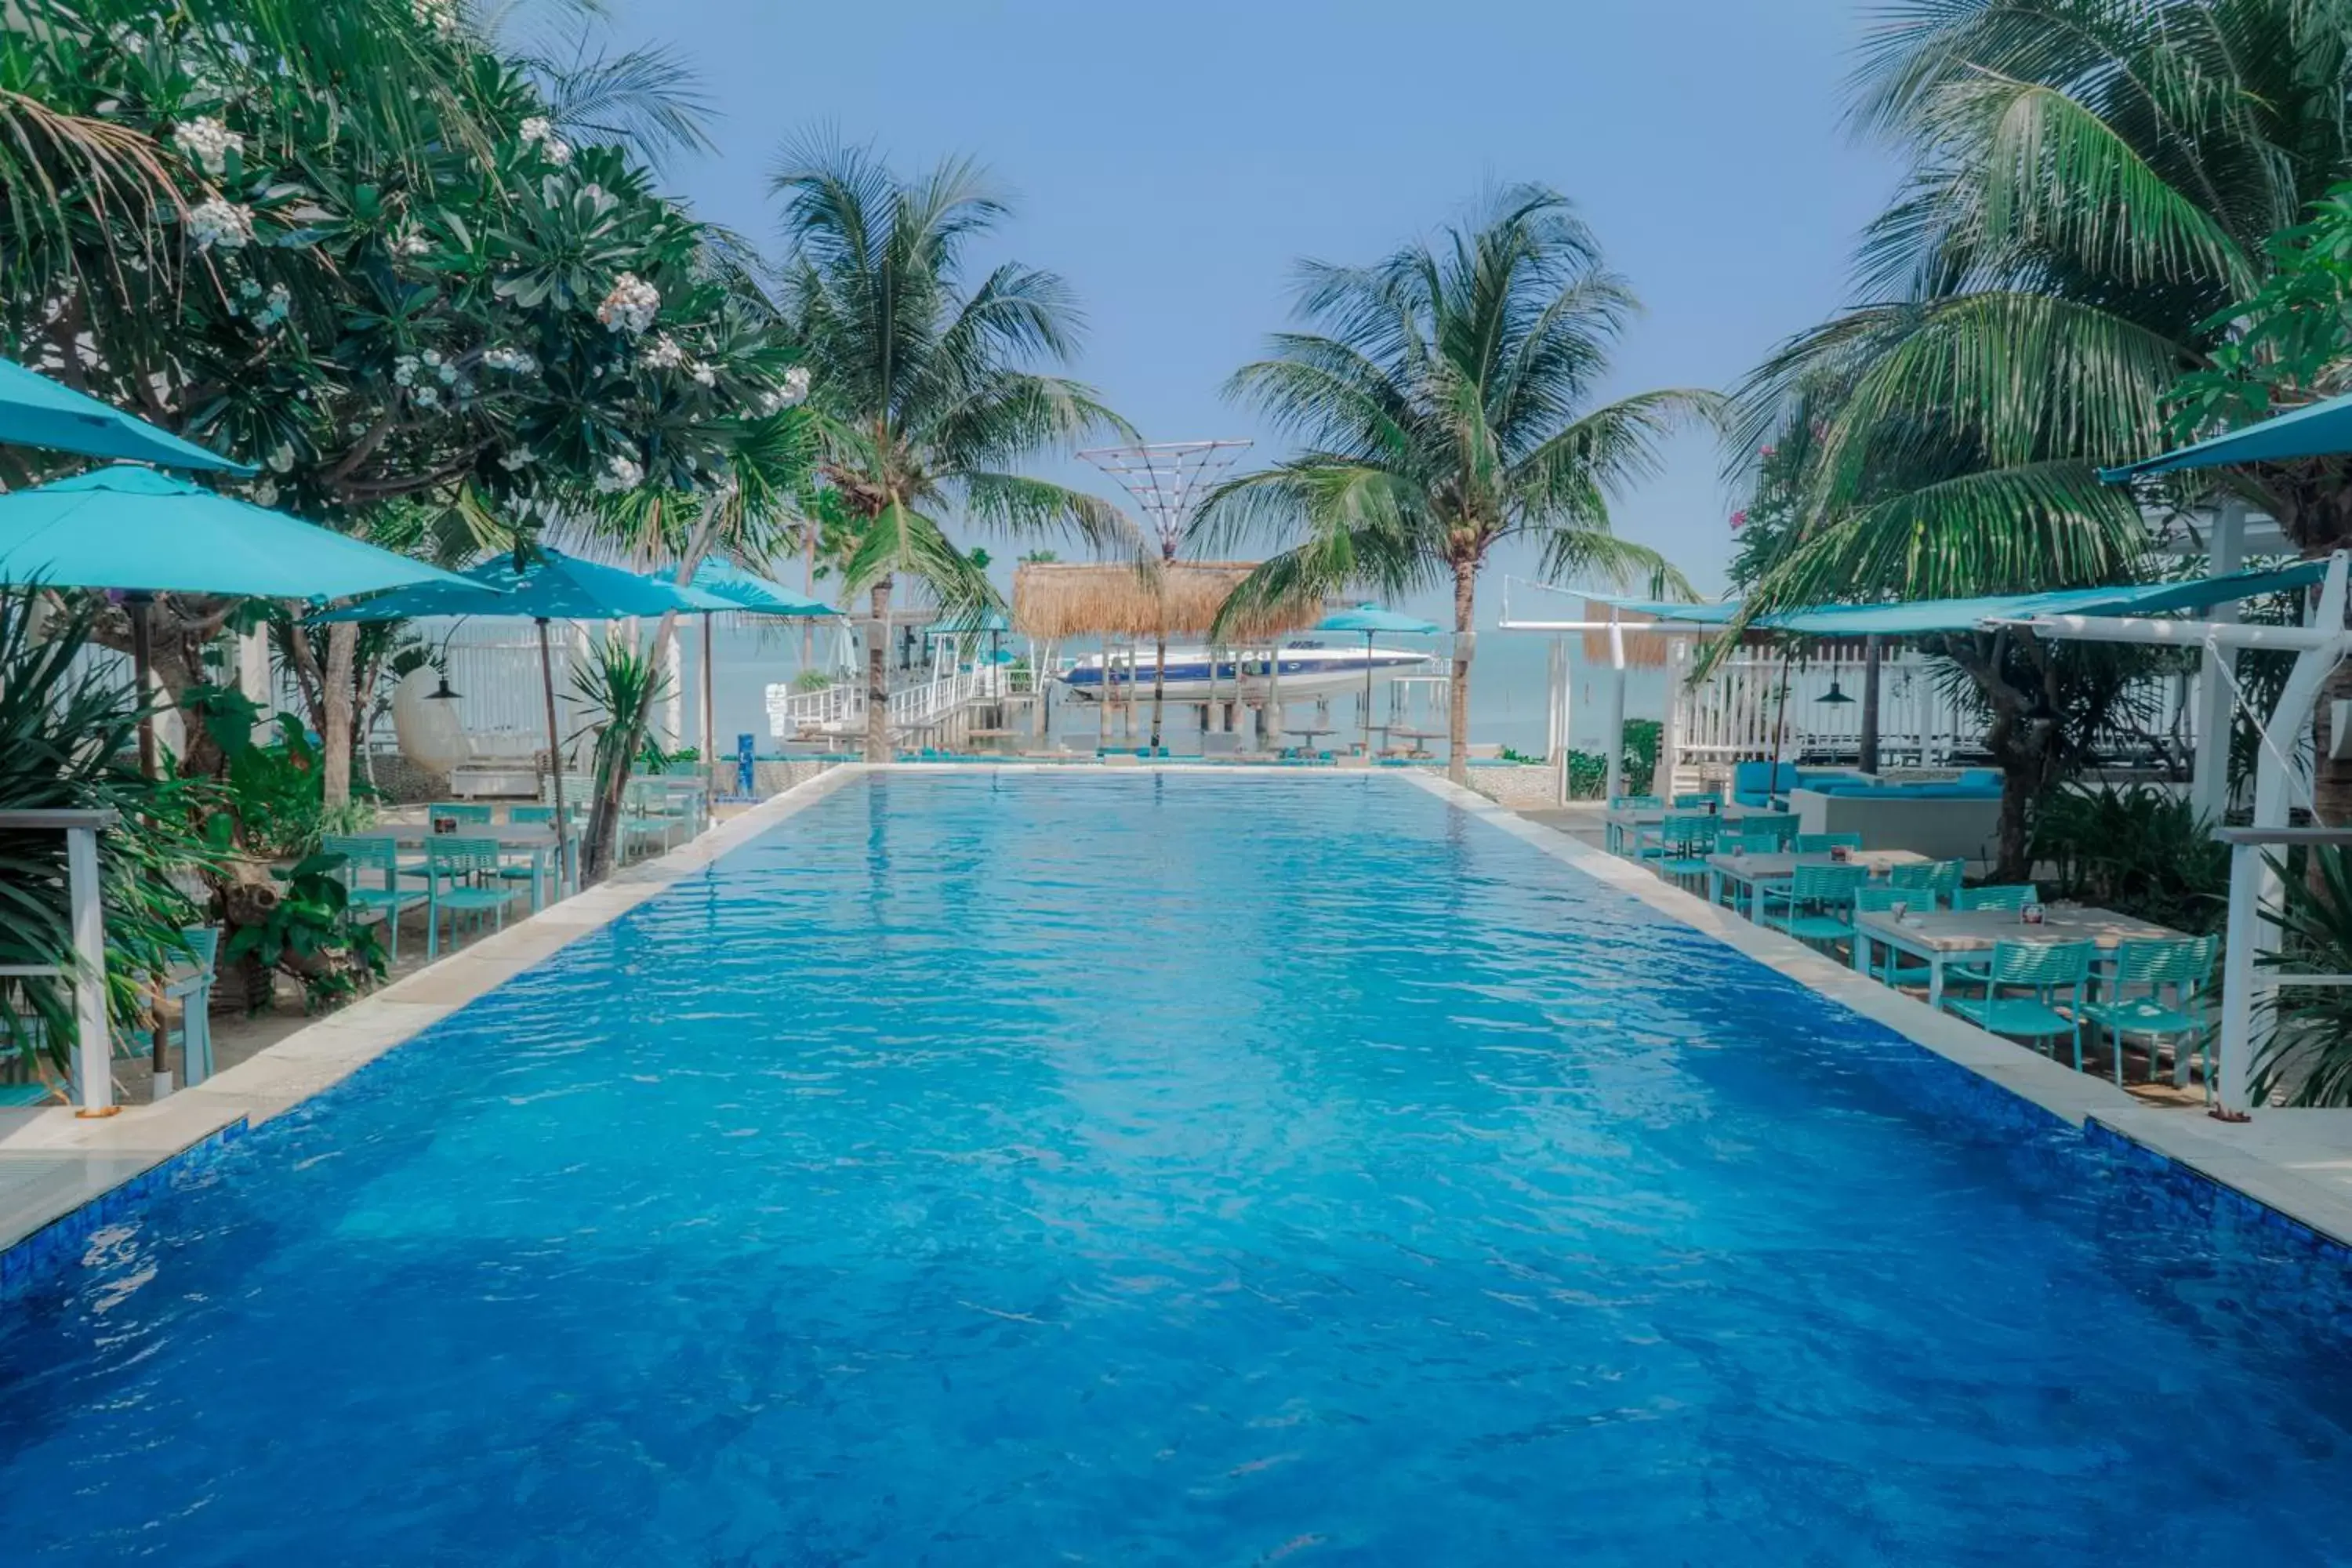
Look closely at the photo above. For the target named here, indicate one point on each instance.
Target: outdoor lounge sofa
(1956, 819)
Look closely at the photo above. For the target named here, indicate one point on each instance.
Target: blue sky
(1174, 161)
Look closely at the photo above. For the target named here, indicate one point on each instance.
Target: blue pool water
(1005, 1170)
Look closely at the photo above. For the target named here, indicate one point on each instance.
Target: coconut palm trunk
(1465, 647)
(878, 675)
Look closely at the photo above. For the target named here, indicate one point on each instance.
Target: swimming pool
(1005, 1168)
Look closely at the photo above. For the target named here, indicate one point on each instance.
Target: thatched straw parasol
(1052, 600)
(1644, 650)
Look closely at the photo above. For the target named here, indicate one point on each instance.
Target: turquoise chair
(2186, 966)
(1817, 903)
(1939, 878)
(1684, 845)
(1822, 843)
(2000, 898)
(192, 988)
(539, 813)
(1634, 802)
(463, 879)
(1782, 827)
(2049, 972)
(466, 811)
(1735, 839)
(390, 900)
(647, 812)
(1899, 968)
(1698, 802)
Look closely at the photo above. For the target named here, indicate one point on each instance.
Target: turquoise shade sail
(1375, 621)
(552, 587)
(2322, 430)
(145, 531)
(37, 412)
(1924, 616)
(755, 594)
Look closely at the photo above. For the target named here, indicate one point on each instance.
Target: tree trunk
(1465, 647)
(335, 734)
(877, 677)
(2331, 777)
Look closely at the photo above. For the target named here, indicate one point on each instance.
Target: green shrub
(2304, 1035)
(2140, 849)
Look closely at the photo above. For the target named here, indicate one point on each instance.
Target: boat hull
(1190, 677)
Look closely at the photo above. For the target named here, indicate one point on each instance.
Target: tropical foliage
(2306, 1049)
(2138, 848)
(65, 733)
(353, 245)
(2092, 193)
(1445, 401)
(924, 395)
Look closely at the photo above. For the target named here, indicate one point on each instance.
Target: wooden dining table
(1756, 872)
(1943, 935)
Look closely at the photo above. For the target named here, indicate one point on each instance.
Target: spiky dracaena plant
(1446, 402)
(67, 734)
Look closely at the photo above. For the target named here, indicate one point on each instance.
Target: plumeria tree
(353, 245)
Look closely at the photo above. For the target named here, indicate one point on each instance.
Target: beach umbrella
(549, 587)
(145, 532)
(752, 594)
(1374, 621)
(37, 412)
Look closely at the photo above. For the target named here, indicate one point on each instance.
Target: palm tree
(922, 394)
(2094, 184)
(1444, 401)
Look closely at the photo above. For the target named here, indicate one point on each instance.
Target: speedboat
(1308, 668)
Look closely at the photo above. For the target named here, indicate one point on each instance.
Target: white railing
(917, 705)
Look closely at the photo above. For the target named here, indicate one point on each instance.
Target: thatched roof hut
(1052, 600)
(1644, 650)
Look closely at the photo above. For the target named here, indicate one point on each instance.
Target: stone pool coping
(64, 1180)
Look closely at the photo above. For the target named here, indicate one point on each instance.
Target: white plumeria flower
(214, 222)
(441, 15)
(428, 398)
(208, 142)
(540, 131)
(703, 374)
(520, 458)
(661, 352)
(404, 369)
(514, 359)
(621, 473)
(631, 306)
(265, 494)
(281, 459)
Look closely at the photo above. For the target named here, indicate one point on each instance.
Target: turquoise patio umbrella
(146, 532)
(37, 412)
(1374, 621)
(754, 594)
(2324, 429)
(548, 586)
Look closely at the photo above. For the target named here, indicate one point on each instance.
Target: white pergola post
(1555, 718)
(2209, 793)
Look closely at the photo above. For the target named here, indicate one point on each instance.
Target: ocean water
(997, 1169)
(1508, 688)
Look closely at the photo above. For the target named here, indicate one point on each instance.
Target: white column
(2253, 885)
(94, 1061)
(1612, 729)
(1556, 718)
(673, 713)
(1669, 741)
(253, 668)
(2209, 790)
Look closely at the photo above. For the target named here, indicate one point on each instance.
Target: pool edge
(99, 1171)
(2225, 1164)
